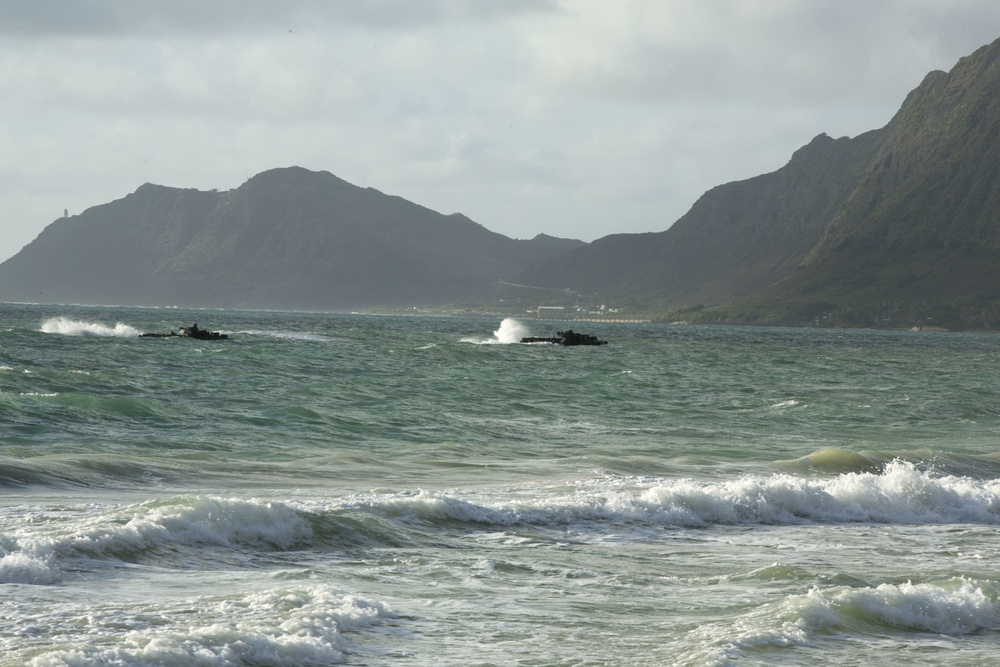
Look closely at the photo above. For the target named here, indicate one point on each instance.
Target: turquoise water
(371, 490)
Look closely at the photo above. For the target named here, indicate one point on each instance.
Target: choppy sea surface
(345, 489)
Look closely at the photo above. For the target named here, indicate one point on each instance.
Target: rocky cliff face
(287, 238)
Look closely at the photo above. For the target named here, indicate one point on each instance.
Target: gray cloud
(187, 18)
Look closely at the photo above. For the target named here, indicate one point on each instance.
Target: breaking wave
(901, 494)
(954, 607)
(207, 528)
(157, 531)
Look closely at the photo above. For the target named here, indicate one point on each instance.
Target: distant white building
(551, 312)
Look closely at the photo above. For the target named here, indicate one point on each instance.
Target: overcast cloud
(576, 118)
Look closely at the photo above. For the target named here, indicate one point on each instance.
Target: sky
(573, 118)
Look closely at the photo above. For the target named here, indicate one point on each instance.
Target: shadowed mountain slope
(736, 239)
(919, 237)
(287, 238)
(898, 226)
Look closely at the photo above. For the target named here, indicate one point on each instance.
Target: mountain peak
(294, 176)
(923, 224)
(288, 238)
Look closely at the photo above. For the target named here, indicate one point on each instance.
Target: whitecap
(900, 494)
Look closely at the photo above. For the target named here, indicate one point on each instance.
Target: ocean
(326, 489)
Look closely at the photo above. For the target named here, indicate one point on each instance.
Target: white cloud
(574, 118)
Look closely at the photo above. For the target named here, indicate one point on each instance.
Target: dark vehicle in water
(568, 337)
(189, 332)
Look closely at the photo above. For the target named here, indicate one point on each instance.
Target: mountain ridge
(287, 238)
(703, 258)
(898, 226)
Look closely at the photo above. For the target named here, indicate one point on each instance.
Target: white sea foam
(22, 567)
(288, 335)
(901, 494)
(510, 331)
(283, 628)
(27, 560)
(69, 327)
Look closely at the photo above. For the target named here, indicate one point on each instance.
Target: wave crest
(901, 494)
(835, 460)
(164, 528)
(955, 607)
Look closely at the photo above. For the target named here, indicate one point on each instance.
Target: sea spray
(510, 331)
(69, 327)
